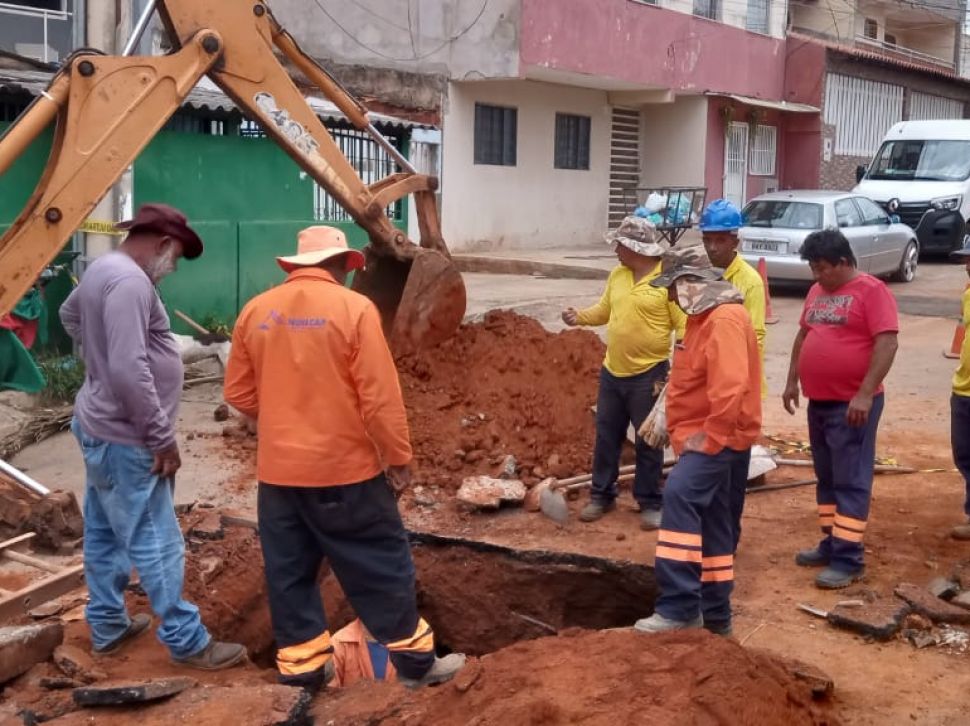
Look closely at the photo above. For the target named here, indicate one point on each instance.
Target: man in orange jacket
(714, 416)
(310, 363)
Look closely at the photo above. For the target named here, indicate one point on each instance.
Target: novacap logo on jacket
(275, 318)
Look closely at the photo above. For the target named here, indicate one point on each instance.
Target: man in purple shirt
(124, 420)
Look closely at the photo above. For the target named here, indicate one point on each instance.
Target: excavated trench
(479, 597)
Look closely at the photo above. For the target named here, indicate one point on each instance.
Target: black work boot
(832, 579)
(811, 558)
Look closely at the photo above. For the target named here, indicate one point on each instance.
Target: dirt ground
(906, 541)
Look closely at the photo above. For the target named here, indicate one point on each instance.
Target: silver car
(776, 224)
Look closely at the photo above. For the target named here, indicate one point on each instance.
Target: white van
(922, 174)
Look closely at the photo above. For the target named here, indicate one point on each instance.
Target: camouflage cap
(683, 261)
(639, 235)
(696, 296)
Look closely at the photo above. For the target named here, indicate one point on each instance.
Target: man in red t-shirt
(843, 351)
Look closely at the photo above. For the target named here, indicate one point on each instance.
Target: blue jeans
(620, 402)
(129, 520)
(844, 456)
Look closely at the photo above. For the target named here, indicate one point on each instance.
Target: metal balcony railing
(45, 17)
(903, 53)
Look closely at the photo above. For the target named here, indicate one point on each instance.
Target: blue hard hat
(721, 216)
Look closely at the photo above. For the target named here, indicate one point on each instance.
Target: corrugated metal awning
(785, 106)
(206, 96)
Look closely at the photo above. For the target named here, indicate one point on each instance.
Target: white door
(736, 163)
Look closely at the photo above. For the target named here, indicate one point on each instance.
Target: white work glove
(654, 428)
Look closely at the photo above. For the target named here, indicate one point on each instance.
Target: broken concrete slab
(925, 603)
(120, 694)
(23, 646)
(75, 663)
(254, 705)
(485, 492)
(209, 527)
(921, 640)
(46, 610)
(880, 619)
(943, 587)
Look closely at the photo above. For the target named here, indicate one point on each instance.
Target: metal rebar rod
(390, 149)
(139, 30)
(22, 479)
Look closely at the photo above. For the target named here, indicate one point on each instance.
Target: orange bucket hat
(316, 244)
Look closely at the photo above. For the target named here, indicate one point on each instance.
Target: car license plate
(760, 245)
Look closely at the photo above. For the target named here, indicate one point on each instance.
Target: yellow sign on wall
(100, 227)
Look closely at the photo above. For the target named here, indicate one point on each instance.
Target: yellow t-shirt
(961, 379)
(749, 283)
(640, 320)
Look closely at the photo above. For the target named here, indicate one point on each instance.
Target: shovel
(552, 503)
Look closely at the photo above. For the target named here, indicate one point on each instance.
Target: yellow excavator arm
(108, 108)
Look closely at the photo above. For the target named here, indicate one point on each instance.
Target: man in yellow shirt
(640, 322)
(960, 407)
(719, 226)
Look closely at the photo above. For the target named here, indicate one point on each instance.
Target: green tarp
(18, 370)
(17, 367)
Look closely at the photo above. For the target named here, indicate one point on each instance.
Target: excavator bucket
(421, 297)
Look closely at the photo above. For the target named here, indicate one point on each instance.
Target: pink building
(556, 116)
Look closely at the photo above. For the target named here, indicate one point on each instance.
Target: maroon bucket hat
(166, 220)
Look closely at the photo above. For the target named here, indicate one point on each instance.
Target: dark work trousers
(739, 489)
(622, 401)
(358, 529)
(844, 457)
(960, 440)
(698, 535)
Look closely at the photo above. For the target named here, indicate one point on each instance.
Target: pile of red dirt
(505, 386)
(606, 677)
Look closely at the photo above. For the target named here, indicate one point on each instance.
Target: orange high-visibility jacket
(715, 382)
(309, 361)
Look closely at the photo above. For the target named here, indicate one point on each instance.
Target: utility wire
(380, 17)
(415, 57)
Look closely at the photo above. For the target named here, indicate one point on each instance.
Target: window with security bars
(496, 130)
(572, 141)
(370, 161)
(708, 9)
(764, 151)
(756, 19)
